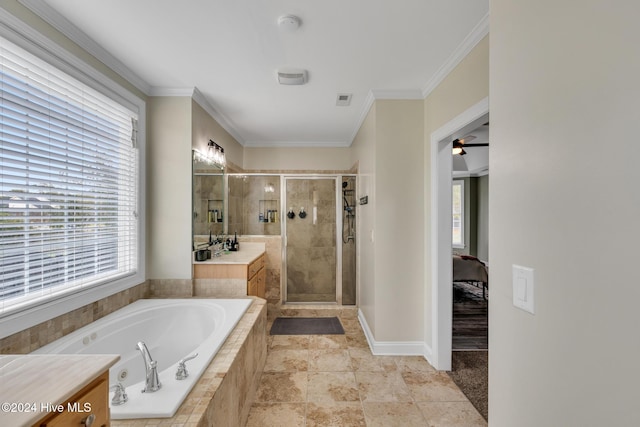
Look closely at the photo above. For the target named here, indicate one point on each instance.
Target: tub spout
(152, 382)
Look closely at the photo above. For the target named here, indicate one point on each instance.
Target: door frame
(440, 321)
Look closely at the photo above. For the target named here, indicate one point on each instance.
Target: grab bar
(182, 367)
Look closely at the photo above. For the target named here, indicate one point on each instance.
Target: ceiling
(230, 50)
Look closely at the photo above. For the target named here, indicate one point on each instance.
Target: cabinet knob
(88, 422)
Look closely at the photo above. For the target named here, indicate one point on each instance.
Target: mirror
(207, 199)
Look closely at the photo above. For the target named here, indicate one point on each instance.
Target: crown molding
(397, 94)
(218, 116)
(62, 24)
(297, 144)
(469, 42)
(199, 98)
(171, 91)
(366, 106)
(379, 94)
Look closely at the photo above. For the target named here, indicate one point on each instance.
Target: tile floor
(334, 380)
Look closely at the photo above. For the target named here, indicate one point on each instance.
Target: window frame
(19, 33)
(461, 244)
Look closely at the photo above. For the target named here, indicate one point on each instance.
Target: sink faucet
(152, 382)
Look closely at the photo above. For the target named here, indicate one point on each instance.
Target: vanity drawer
(255, 266)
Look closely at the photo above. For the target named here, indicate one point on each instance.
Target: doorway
(441, 226)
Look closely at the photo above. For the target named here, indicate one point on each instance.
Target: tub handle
(120, 396)
(182, 367)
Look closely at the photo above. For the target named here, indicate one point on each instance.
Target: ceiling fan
(459, 144)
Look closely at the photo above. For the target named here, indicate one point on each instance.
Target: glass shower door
(310, 236)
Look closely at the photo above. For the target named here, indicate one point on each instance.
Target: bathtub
(172, 329)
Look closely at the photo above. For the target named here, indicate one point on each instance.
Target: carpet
(470, 372)
(307, 326)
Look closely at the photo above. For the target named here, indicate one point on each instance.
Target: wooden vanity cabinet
(89, 407)
(254, 273)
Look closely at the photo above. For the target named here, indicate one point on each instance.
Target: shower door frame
(338, 235)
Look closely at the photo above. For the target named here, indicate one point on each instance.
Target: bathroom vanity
(55, 390)
(232, 274)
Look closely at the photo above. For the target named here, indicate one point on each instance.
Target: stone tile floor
(334, 380)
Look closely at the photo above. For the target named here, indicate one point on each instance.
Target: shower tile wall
(249, 197)
(311, 248)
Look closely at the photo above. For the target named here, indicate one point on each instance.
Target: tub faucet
(152, 382)
(120, 395)
(182, 372)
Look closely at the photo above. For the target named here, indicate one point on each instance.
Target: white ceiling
(230, 50)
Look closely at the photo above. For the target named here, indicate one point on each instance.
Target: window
(458, 213)
(69, 184)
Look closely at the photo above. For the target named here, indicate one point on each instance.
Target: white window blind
(68, 183)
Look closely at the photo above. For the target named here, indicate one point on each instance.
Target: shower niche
(268, 210)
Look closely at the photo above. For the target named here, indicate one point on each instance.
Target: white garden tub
(172, 329)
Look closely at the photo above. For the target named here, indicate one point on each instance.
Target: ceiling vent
(292, 77)
(343, 99)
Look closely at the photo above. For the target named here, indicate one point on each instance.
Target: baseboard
(392, 348)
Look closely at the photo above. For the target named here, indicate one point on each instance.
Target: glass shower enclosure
(319, 239)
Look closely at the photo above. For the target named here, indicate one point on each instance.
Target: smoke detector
(289, 22)
(292, 76)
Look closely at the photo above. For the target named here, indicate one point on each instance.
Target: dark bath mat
(307, 326)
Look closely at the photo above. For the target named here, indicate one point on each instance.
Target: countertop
(29, 382)
(249, 252)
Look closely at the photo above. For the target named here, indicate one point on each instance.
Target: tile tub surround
(30, 339)
(224, 393)
(226, 390)
(330, 380)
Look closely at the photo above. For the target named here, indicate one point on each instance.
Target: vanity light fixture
(269, 188)
(216, 154)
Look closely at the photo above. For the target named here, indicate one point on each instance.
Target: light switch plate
(523, 287)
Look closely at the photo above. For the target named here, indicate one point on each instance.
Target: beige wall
(389, 151)
(399, 221)
(169, 188)
(467, 84)
(564, 174)
(297, 159)
(363, 151)
(205, 127)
